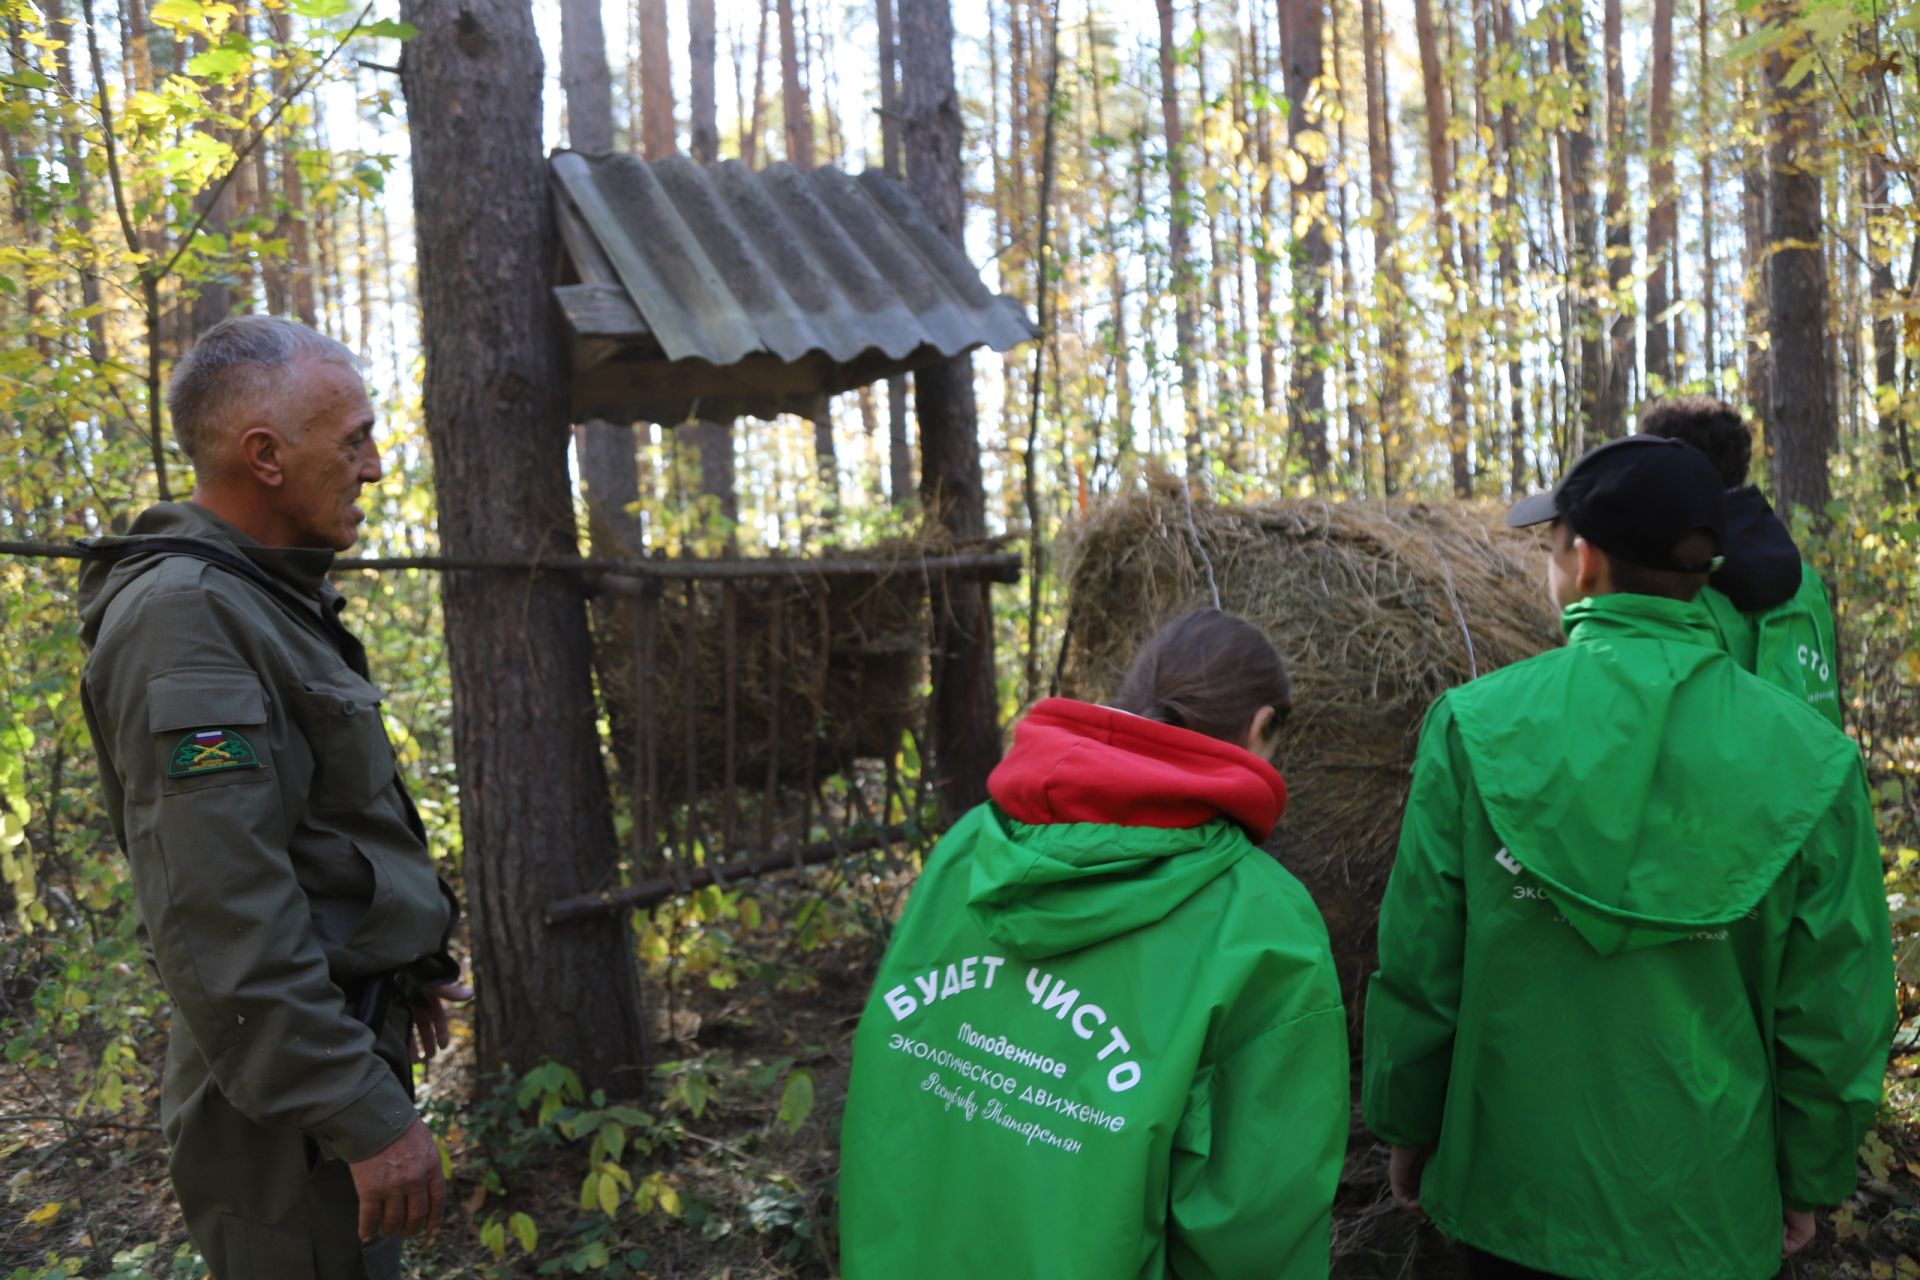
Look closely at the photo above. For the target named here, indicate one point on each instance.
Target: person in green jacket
(1107, 1040)
(284, 889)
(1635, 992)
(1768, 604)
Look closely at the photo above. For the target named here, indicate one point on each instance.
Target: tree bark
(1301, 25)
(794, 106)
(534, 812)
(1800, 421)
(1709, 271)
(293, 192)
(1576, 141)
(899, 450)
(657, 133)
(756, 123)
(604, 450)
(703, 130)
(584, 78)
(1663, 219)
(966, 727)
(1609, 418)
(1179, 264)
(1440, 177)
(1389, 286)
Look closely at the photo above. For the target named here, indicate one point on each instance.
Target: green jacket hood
(1044, 890)
(102, 579)
(1602, 774)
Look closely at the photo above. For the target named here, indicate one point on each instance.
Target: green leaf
(524, 1231)
(319, 10)
(494, 1236)
(1802, 68)
(218, 64)
(388, 29)
(26, 78)
(796, 1100)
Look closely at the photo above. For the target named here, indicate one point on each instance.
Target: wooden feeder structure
(711, 293)
(719, 292)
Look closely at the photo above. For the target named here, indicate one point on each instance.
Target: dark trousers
(1485, 1266)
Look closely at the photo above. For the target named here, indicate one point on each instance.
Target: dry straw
(1377, 607)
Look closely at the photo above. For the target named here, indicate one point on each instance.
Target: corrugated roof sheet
(724, 263)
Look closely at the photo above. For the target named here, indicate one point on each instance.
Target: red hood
(1075, 762)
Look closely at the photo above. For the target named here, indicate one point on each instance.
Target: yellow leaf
(609, 1197)
(44, 1214)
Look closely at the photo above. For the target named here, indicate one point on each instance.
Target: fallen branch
(649, 892)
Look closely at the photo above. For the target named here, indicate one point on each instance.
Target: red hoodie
(1077, 762)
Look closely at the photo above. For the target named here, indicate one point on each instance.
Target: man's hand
(1403, 1176)
(400, 1188)
(1800, 1228)
(430, 1030)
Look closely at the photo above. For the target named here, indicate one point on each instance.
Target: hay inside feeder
(825, 670)
(1377, 608)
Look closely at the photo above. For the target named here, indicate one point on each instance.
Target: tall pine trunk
(966, 726)
(1179, 254)
(656, 81)
(534, 811)
(1662, 220)
(899, 451)
(1611, 408)
(1440, 179)
(1801, 430)
(1301, 25)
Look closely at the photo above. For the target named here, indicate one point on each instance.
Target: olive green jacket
(277, 859)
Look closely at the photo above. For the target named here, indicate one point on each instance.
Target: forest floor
(741, 1181)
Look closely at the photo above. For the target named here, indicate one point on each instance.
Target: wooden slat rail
(648, 892)
(999, 566)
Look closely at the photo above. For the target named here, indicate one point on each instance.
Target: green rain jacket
(1791, 644)
(1635, 973)
(1107, 1041)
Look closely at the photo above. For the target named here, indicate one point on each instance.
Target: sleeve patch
(210, 751)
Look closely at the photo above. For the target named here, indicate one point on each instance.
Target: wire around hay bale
(788, 680)
(1377, 608)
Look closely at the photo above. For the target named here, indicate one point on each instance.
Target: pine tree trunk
(966, 727)
(899, 449)
(584, 78)
(1389, 285)
(1301, 26)
(1584, 319)
(1440, 176)
(1800, 416)
(657, 132)
(1610, 410)
(793, 92)
(1179, 264)
(703, 130)
(534, 812)
(1709, 271)
(1662, 220)
(756, 123)
(293, 192)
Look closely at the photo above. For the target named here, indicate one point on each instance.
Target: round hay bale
(1377, 608)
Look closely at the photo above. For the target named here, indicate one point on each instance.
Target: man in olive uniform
(281, 872)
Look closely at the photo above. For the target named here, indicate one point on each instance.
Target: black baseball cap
(1636, 499)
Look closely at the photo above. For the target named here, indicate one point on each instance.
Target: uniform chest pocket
(352, 759)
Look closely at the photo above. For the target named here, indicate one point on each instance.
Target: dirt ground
(754, 1199)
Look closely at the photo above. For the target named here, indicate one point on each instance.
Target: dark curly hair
(1709, 425)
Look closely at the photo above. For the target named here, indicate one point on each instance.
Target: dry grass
(1377, 607)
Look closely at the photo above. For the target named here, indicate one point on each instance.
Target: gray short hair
(233, 363)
